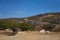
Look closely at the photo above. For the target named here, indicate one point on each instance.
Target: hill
(48, 21)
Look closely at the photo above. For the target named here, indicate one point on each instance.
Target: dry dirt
(31, 36)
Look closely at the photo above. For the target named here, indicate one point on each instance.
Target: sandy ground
(31, 36)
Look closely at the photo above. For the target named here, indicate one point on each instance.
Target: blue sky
(26, 8)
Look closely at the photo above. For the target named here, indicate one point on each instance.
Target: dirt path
(32, 36)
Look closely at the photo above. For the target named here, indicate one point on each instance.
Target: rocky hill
(48, 19)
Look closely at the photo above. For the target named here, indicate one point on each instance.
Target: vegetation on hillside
(49, 20)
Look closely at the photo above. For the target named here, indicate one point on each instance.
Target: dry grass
(32, 36)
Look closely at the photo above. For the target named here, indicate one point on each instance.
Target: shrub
(49, 27)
